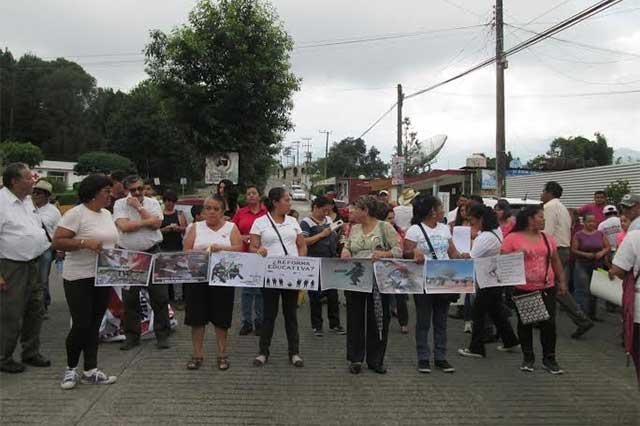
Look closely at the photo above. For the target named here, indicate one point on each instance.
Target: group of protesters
(561, 252)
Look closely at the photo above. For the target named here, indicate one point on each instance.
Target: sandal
(194, 363)
(223, 362)
(260, 360)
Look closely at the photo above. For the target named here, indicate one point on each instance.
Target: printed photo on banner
(232, 269)
(500, 271)
(462, 238)
(292, 273)
(180, 267)
(449, 276)
(347, 274)
(115, 267)
(396, 276)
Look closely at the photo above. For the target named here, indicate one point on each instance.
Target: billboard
(221, 165)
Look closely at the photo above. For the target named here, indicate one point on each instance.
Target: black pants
(159, 298)
(87, 305)
(401, 308)
(547, 330)
(488, 302)
(333, 308)
(270, 299)
(362, 330)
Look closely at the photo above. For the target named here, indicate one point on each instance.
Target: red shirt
(594, 210)
(244, 219)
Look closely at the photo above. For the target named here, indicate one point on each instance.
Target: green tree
(350, 158)
(411, 147)
(14, 152)
(103, 162)
(227, 76)
(616, 190)
(574, 152)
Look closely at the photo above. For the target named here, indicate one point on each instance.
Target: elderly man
(631, 209)
(22, 242)
(50, 216)
(138, 219)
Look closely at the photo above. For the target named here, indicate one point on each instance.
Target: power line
(375, 123)
(559, 5)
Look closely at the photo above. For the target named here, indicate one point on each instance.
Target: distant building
(60, 171)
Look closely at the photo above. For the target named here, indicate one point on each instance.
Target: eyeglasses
(136, 189)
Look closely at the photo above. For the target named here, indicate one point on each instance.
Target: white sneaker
(510, 349)
(97, 377)
(296, 360)
(467, 326)
(70, 379)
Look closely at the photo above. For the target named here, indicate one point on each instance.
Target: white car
(297, 193)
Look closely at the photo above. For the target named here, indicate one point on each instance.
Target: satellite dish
(429, 151)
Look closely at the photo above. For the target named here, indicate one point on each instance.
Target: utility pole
(399, 131)
(501, 64)
(297, 158)
(326, 150)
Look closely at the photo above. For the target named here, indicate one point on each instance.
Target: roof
(66, 166)
(578, 184)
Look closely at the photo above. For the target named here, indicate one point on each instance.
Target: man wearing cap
(22, 241)
(404, 212)
(383, 196)
(610, 226)
(631, 209)
(50, 216)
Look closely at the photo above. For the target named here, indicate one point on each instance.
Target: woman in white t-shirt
(488, 300)
(277, 234)
(205, 303)
(430, 308)
(82, 233)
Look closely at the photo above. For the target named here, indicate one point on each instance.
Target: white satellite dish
(429, 151)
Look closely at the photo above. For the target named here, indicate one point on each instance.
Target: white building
(61, 171)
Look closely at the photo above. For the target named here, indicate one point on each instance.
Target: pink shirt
(594, 210)
(619, 237)
(507, 227)
(535, 259)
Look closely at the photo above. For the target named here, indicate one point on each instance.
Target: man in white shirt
(50, 216)
(138, 219)
(404, 212)
(22, 241)
(611, 226)
(627, 260)
(557, 222)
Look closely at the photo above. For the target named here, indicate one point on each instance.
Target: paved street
(155, 388)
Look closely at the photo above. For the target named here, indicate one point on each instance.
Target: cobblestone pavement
(155, 388)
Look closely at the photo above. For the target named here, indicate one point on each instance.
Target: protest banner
(347, 274)
(115, 267)
(233, 269)
(397, 276)
(604, 288)
(292, 273)
(500, 271)
(462, 238)
(449, 276)
(180, 267)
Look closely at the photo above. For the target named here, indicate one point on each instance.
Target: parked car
(298, 193)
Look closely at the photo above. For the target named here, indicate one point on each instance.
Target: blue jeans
(431, 309)
(251, 300)
(44, 266)
(582, 272)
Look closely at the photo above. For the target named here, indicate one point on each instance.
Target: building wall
(578, 184)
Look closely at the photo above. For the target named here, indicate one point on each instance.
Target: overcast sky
(347, 87)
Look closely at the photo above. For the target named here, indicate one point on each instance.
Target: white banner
(232, 269)
(292, 273)
(449, 276)
(222, 165)
(181, 267)
(500, 271)
(397, 276)
(347, 274)
(115, 267)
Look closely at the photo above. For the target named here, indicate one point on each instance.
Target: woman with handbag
(429, 237)
(536, 300)
(488, 301)
(368, 313)
(276, 234)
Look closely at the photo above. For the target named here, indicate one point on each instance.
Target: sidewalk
(155, 388)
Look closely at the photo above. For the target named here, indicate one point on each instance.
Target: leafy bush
(69, 198)
(17, 152)
(103, 162)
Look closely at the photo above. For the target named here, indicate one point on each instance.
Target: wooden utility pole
(326, 151)
(399, 150)
(501, 63)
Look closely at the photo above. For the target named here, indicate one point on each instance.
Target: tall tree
(410, 148)
(228, 77)
(15, 152)
(574, 152)
(350, 158)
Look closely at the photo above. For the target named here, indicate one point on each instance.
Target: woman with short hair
(173, 226)
(83, 232)
(207, 303)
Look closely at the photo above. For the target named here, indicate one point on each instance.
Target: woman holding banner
(488, 300)
(82, 233)
(375, 239)
(277, 234)
(541, 264)
(429, 237)
(207, 303)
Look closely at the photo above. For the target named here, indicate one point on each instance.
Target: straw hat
(407, 195)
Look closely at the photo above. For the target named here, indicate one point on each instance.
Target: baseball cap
(383, 192)
(630, 200)
(43, 185)
(609, 209)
